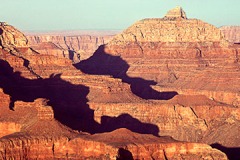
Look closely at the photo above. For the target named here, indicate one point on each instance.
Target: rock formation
(232, 33)
(10, 36)
(79, 47)
(49, 109)
(177, 12)
(177, 53)
(182, 117)
(182, 56)
(30, 131)
(120, 144)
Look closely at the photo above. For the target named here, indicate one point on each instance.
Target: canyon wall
(232, 33)
(184, 120)
(80, 46)
(187, 64)
(98, 147)
(173, 52)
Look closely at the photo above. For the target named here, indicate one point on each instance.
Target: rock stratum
(80, 47)
(112, 106)
(232, 33)
(184, 55)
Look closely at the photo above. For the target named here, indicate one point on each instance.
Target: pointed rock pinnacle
(176, 12)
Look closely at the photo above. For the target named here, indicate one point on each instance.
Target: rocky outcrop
(120, 144)
(30, 117)
(232, 33)
(177, 12)
(10, 36)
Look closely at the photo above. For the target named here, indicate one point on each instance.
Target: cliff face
(10, 36)
(196, 71)
(40, 136)
(122, 144)
(183, 118)
(81, 47)
(232, 33)
(176, 52)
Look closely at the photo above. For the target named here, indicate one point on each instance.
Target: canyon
(165, 88)
(79, 46)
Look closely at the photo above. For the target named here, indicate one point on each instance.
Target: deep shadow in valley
(124, 154)
(102, 63)
(232, 153)
(69, 102)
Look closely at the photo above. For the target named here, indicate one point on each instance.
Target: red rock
(182, 117)
(91, 102)
(232, 33)
(82, 47)
(10, 36)
(118, 144)
(177, 53)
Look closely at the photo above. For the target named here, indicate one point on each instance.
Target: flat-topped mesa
(173, 28)
(177, 52)
(176, 12)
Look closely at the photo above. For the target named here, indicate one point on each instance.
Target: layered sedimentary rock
(232, 33)
(120, 144)
(80, 47)
(10, 36)
(40, 136)
(178, 53)
(182, 56)
(177, 12)
(182, 117)
(71, 100)
(27, 74)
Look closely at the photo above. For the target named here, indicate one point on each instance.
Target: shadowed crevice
(124, 154)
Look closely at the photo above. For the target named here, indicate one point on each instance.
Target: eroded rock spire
(176, 12)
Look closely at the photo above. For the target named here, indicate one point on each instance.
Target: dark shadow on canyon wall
(69, 101)
(232, 153)
(124, 154)
(102, 63)
(71, 54)
(1, 32)
(127, 121)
